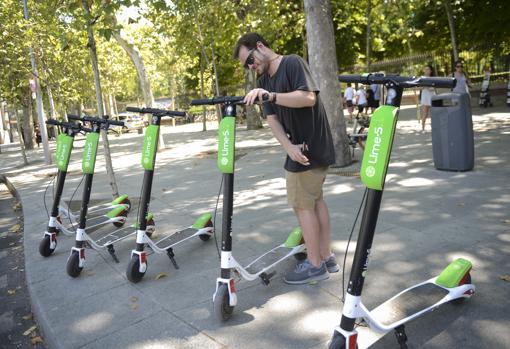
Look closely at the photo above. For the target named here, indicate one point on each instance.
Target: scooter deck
(408, 303)
(269, 258)
(114, 236)
(175, 238)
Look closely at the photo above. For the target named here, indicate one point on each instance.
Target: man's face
(253, 59)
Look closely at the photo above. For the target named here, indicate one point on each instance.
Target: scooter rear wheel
(133, 270)
(221, 307)
(73, 265)
(44, 246)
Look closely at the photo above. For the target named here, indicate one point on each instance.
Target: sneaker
(305, 272)
(331, 264)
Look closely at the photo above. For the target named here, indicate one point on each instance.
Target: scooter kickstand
(400, 333)
(266, 278)
(111, 251)
(170, 253)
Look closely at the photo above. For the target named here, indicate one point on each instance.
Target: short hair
(249, 40)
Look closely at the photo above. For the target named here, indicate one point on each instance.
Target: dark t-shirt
(308, 124)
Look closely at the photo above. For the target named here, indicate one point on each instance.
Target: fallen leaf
(134, 299)
(11, 292)
(505, 277)
(161, 275)
(134, 306)
(460, 204)
(28, 317)
(15, 228)
(507, 221)
(16, 206)
(30, 330)
(36, 340)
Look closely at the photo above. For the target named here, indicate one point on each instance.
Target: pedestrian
(426, 94)
(38, 138)
(349, 100)
(361, 99)
(298, 121)
(374, 97)
(463, 84)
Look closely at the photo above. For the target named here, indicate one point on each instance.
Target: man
(298, 120)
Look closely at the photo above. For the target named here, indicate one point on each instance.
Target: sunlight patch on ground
(93, 323)
(316, 322)
(341, 188)
(415, 182)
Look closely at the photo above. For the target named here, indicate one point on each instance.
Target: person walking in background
(349, 100)
(298, 120)
(463, 84)
(361, 99)
(374, 97)
(426, 97)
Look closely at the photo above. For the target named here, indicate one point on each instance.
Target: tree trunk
(145, 85)
(9, 126)
(2, 128)
(451, 24)
(18, 126)
(204, 113)
(369, 34)
(28, 125)
(93, 57)
(324, 68)
(253, 121)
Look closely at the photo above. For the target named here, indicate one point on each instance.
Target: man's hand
(295, 152)
(251, 97)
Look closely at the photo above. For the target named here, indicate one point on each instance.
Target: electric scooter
(201, 228)
(225, 297)
(65, 141)
(452, 285)
(116, 216)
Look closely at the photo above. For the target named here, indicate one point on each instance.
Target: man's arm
(293, 150)
(294, 99)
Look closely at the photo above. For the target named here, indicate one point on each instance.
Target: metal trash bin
(452, 132)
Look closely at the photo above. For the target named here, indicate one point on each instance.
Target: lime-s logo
(373, 156)
(224, 150)
(370, 171)
(88, 154)
(224, 161)
(148, 149)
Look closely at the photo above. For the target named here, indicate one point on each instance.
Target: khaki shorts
(305, 188)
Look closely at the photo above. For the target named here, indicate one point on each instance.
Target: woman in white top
(361, 99)
(349, 96)
(426, 97)
(463, 83)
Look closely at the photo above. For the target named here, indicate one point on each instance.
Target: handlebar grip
(437, 82)
(115, 122)
(53, 122)
(134, 109)
(73, 117)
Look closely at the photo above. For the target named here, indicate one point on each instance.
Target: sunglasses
(249, 60)
(458, 66)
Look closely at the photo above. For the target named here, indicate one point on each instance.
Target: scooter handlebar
(224, 99)
(403, 81)
(156, 112)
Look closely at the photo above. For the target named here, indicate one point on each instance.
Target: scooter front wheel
(133, 270)
(221, 307)
(73, 264)
(45, 246)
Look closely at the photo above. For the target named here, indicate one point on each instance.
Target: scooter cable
(70, 201)
(349, 242)
(44, 196)
(214, 219)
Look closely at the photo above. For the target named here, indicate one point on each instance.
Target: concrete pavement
(428, 218)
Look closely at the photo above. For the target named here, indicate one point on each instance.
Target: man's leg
(324, 236)
(310, 227)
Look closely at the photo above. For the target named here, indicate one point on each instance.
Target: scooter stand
(266, 278)
(400, 333)
(171, 255)
(111, 251)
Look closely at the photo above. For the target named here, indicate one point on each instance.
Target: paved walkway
(427, 219)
